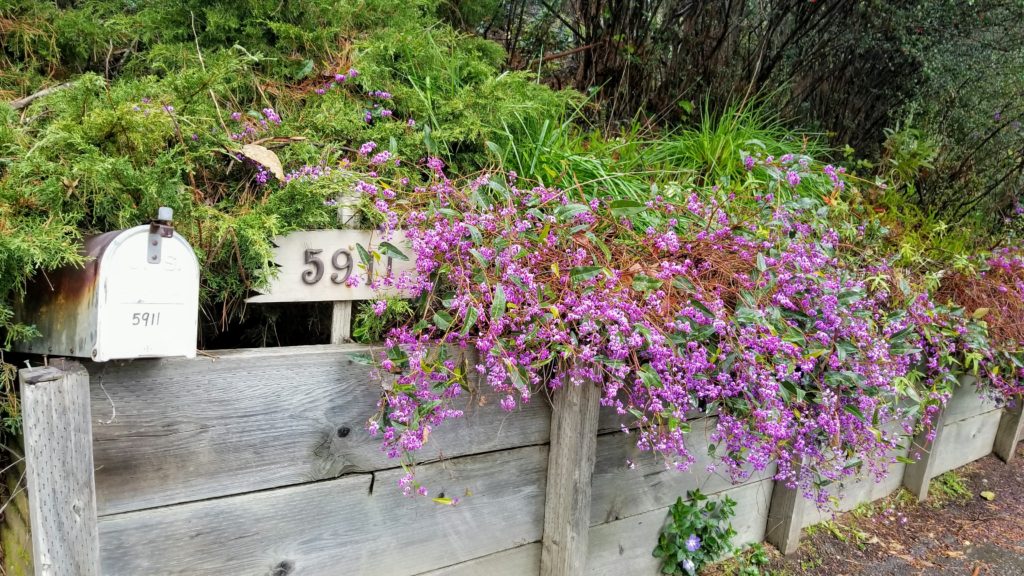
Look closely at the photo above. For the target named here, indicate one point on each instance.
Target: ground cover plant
(776, 307)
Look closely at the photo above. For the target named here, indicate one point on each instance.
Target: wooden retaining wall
(257, 462)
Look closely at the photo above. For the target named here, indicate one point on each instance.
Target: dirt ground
(972, 524)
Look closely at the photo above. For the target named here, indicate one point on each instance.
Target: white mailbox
(136, 297)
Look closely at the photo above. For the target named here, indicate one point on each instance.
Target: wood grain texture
(177, 430)
(574, 420)
(625, 546)
(521, 561)
(786, 513)
(918, 474)
(620, 492)
(965, 441)
(339, 526)
(853, 493)
(1010, 431)
(967, 401)
(58, 455)
(341, 323)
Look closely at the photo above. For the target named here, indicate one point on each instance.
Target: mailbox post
(137, 296)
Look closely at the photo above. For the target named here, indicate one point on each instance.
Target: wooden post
(341, 313)
(341, 322)
(785, 518)
(570, 470)
(1011, 428)
(61, 485)
(918, 475)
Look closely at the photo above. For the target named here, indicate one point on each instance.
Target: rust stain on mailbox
(55, 298)
(117, 305)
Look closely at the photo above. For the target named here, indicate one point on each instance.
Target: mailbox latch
(159, 229)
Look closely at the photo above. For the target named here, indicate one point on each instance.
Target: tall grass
(636, 161)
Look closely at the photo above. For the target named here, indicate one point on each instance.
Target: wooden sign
(335, 265)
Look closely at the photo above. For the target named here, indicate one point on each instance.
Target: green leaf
(471, 316)
(361, 358)
(570, 211)
(442, 319)
(389, 249)
(479, 258)
(683, 284)
(643, 283)
(855, 411)
(364, 255)
(517, 375)
(498, 303)
(903, 349)
(626, 208)
(582, 273)
(649, 377)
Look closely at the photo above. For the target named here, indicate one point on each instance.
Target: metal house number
(341, 262)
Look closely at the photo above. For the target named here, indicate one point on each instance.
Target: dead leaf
(953, 553)
(265, 157)
(988, 495)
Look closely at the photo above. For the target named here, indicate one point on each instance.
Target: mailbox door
(145, 309)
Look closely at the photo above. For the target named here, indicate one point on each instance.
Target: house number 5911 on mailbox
(136, 297)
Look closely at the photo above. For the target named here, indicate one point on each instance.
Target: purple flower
(793, 178)
(693, 543)
(379, 307)
(236, 116)
(508, 403)
(749, 162)
(367, 148)
(380, 158)
(271, 116)
(410, 122)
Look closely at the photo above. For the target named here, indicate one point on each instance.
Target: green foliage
(949, 488)
(635, 161)
(10, 412)
(699, 521)
(453, 85)
(372, 327)
(145, 122)
(716, 147)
